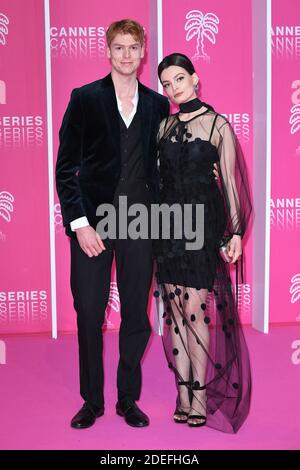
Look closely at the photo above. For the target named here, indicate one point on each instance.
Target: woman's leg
(198, 346)
(180, 346)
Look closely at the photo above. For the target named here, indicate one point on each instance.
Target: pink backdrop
(285, 207)
(78, 50)
(25, 303)
(217, 47)
(221, 51)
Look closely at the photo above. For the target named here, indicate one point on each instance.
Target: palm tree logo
(113, 302)
(3, 28)
(295, 118)
(6, 205)
(295, 288)
(202, 26)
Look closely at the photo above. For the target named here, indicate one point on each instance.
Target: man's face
(125, 54)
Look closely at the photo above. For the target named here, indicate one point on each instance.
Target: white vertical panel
(50, 167)
(159, 306)
(268, 165)
(262, 128)
(159, 39)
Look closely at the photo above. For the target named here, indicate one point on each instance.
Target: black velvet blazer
(89, 162)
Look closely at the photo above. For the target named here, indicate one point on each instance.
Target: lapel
(108, 97)
(145, 107)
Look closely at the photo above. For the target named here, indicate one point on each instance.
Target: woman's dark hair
(178, 59)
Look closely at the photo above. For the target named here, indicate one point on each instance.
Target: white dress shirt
(83, 221)
(135, 100)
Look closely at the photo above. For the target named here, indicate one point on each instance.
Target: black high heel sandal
(180, 412)
(196, 386)
(196, 425)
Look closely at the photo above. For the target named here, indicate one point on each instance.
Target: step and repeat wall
(78, 52)
(285, 202)
(25, 295)
(216, 35)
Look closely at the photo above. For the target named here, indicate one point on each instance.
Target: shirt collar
(134, 99)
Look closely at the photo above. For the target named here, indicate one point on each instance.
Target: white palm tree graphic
(295, 288)
(202, 26)
(6, 206)
(3, 28)
(113, 302)
(295, 118)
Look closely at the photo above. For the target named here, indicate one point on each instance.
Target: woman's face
(179, 84)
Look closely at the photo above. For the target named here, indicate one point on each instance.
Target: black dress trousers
(90, 283)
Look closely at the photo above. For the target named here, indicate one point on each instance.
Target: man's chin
(128, 71)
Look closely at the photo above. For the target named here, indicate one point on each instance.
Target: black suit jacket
(89, 161)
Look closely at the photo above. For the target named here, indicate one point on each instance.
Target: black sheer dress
(202, 335)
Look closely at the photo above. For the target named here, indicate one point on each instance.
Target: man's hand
(234, 248)
(89, 241)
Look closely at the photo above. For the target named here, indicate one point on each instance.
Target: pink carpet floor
(39, 395)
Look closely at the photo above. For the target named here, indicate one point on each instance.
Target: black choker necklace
(191, 106)
(194, 105)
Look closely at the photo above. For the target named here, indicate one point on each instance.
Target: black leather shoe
(86, 416)
(132, 414)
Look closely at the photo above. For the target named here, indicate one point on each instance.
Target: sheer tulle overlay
(202, 335)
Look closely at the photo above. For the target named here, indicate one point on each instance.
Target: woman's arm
(231, 166)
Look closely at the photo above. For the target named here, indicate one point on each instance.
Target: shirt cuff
(79, 223)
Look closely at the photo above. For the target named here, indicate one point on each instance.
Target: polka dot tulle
(202, 335)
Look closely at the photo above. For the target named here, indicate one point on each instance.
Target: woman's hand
(216, 172)
(234, 248)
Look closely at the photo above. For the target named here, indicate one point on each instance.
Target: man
(108, 149)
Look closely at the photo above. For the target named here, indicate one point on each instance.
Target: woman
(203, 341)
